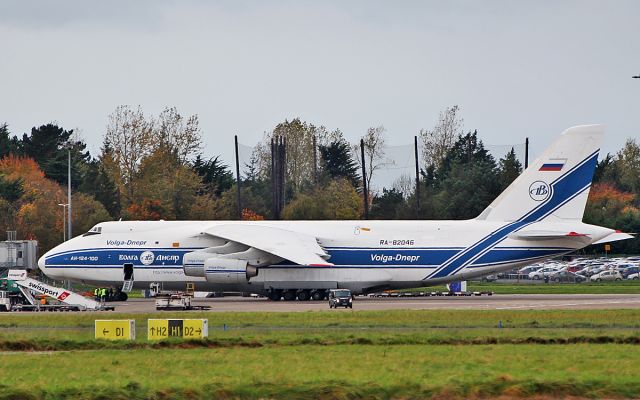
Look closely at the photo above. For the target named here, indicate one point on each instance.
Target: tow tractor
(17, 296)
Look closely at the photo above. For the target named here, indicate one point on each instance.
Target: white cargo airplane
(537, 217)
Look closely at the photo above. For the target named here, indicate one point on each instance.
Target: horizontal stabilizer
(614, 237)
(547, 235)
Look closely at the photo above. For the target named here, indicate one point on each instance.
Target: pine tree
(337, 162)
(216, 176)
(510, 168)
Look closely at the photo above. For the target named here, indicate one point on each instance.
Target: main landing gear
(299, 294)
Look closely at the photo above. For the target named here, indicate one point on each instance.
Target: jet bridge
(69, 300)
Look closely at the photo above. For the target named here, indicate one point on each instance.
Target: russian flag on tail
(555, 166)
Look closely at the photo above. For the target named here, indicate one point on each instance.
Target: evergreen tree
(48, 145)
(7, 144)
(388, 205)
(216, 176)
(509, 169)
(11, 190)
(337, 162)
(468, 179)
(97, 183)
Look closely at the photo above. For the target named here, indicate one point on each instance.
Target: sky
(516, 69)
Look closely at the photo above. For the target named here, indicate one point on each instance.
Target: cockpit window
(96, 230)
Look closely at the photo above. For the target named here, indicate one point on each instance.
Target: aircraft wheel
(122, 296)
(289, 295)
(304, 295)
(275, 295)
(317, 295)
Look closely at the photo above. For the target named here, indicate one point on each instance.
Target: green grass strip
(328, 372)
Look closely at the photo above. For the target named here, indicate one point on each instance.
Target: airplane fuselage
(366, 255)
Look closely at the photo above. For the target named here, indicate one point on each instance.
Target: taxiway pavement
(495, 302)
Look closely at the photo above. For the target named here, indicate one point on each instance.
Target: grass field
(344, 355)
(340, 371)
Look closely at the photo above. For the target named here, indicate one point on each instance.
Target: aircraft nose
(42, 264)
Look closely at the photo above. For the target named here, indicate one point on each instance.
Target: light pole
(70, 235)
(64, 221)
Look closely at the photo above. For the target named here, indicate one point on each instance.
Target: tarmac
(485, 302)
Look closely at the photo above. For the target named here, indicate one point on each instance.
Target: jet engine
(193, 263)
(228, 270)
(229, 263)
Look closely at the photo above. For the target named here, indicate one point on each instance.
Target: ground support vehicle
(176, 301)
(65, 300)
(340, 298)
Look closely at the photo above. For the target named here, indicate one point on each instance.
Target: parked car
(608, 275)
(542, 272)
(566, 276)
(340, 298)
(576, 267)
(635, 276)
(528, 269)
(625, 272)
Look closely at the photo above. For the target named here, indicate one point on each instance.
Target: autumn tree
(37, 213)
(226, 206)
(87, 212)
(374, 151)
(132, 136)
(146, 210)
(164, 178)
(250, 215)
(628, 162)
(129, 139)
(336, 201)
(181, 135)
(299, 136)
(437, 141)
(611, 207)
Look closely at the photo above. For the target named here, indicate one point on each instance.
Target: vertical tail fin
(556, 184)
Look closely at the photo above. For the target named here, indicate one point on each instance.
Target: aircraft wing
(293, 246)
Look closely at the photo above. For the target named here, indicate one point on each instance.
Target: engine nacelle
(228, 270)
(193, 263)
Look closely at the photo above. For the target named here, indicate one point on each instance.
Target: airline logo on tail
(539, 191)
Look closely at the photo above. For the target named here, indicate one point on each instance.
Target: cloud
(44, 14)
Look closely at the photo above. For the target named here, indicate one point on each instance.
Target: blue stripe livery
(564, 189)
